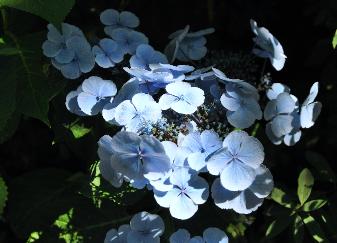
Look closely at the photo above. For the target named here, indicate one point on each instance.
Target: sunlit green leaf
(305, 184)
(314, 205)
(315, 229)
(34, 236)
(78, 130)
(279, 196)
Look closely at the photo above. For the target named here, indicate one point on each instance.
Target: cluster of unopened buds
(179, 123)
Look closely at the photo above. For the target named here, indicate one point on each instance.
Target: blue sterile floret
(188, 191)
(128, 40)
(92, 95)
(182, 98)
(69, 51)
(210, 235)
(159, 75)
(136, 113)
(237, 161)
(286, 117)
(201, 146)
(107, 53)
(186, 46)
(146, 55)
(143, 228)
(268, 46)
(114, 20)
(248, 200)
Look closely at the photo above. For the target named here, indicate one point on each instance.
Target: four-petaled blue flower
(56, 44)
(145, 55)
(136, 113)
(201, 146)
(237, 161)
(182, 98)
(187, 46)
(270, 46)
(107, 53)
(145, 228)
(139, 156)
(95, 94)
(128, 40)
(82, 61)
(248, 200)
(188, 191)
(114, 19)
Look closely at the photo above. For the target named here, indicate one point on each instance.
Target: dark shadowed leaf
(278, 225)
(279, 196)
(298, 229)
(322, 166)
(315, 229)
(314, 205)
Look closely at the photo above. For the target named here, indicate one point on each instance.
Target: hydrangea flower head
(82, 61)
(114, 19)
(248, 200)
(95, 94)
(139, 156)
(182, 98)
(146, 55)
(145, 228)
(120, 236)
(107, 53)
(269, 46)
(237, 161)
(128, 40)
(188, 191)
(136, 113)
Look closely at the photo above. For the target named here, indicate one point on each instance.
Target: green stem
(256, 128)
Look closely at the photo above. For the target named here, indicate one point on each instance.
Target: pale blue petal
(263, 183)
(276, 89)
(222, 197)
(180, 236)
(237, 176)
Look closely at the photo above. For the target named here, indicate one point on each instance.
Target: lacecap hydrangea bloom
(181, 128)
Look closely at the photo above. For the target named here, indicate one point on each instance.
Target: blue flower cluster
(143, 228)
(167, 143)
(286, 117)
(70, 52)
(210, 235)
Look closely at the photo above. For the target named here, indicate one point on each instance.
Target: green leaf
(314, 205)
(278, 225)
(315, 229)
(78, 130)
(298, 229)
(51, 10)
(3, 195)
(8, 51)
(322, 166)
(334, 40)
(279, 196)
(25, 88)
(305, 184)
